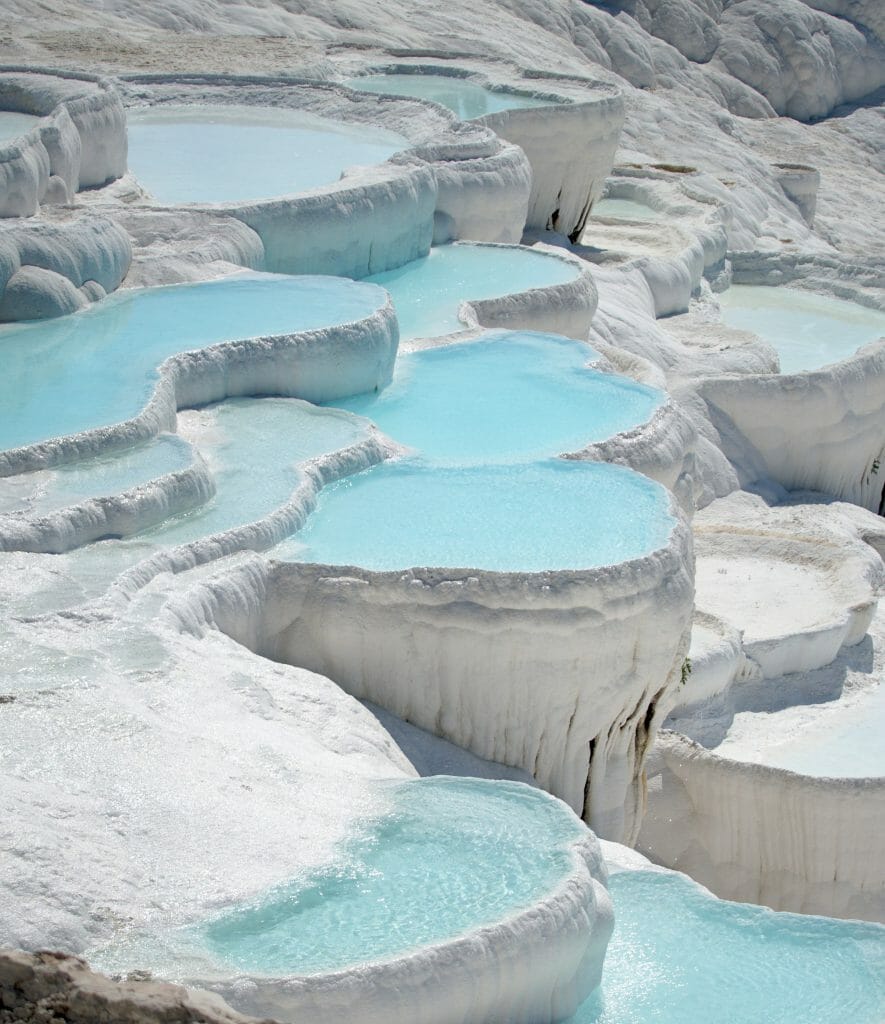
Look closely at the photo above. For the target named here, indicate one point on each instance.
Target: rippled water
(213, 154)
(680, 956)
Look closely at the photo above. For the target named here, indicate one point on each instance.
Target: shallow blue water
(99, 366)
(624, 209)
(252, 446)
(98, 477)
(453, 854)
(428, 291)
(213, 154)
(679, 956)
(517, 518)
(808, 330)
(465, 98)
(512, 395)
(13, 124)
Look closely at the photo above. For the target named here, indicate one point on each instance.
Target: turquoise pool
(465, 98)
(509, 396)
(214, 154)
(452, 855)
(428, 291)
(99, 366)
(680, 956)
(517, 518)
(46, 491)
(808, 330)
(13, 124)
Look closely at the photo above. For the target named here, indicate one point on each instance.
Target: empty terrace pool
(427, 292)
(213, 154)
(13, 124)
(808, 330)
(624, 209)
(465, 98)
(99, 366)
(680, 956)
(511, 395)
(527, 517)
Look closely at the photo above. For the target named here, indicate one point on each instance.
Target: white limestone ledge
(318, 366)
(565, 308)
(454, 180)
(111, 516)
(535, 966)
(59, 264)
(822, 430)
(760, 834)
(80, 141)
(565, 674)
(798, 588)
(689, 243)
(570, 144)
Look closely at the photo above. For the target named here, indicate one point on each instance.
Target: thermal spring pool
(99, 366)
(465, 98)
(808, 330)
(448, 856)
(510, 395)
(13, 124)
(527, 517)
(47, 490)
(678, 955)
(624, 209)
(214, 154)
(428, 291)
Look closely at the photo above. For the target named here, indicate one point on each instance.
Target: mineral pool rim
(206, 153)
(99, 366)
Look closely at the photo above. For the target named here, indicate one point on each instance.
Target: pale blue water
(512, 395)
(13, 124)
(99, 366)
(847, 743)
(517, 518)
(253, 446)
(102, 476)
(213, 154)
(808, 330)
(465, 98)
(452, 855)
(624, 209)
(679, 956)
(428, 291)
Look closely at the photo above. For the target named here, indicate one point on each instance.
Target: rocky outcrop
(52, 988)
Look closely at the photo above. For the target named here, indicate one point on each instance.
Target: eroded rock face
(57, 989)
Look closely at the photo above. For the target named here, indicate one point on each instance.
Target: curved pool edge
(819, 430)
(534, 966)
(301, 364)
(795, 842)
(443, 629)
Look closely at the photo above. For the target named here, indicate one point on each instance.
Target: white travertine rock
(80, 139)
(33, 293)
(446, 629)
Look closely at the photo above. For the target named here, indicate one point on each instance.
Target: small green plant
(686, 672)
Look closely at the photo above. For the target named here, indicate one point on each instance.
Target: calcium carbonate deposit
(442, 479)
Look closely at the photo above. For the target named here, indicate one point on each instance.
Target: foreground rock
(59, 989)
